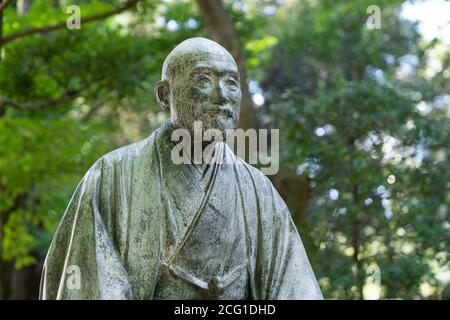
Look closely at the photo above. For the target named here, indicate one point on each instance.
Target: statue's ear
(162, 94)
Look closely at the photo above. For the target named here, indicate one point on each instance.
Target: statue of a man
(139, 226)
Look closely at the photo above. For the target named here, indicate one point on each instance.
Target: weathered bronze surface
(139, 226)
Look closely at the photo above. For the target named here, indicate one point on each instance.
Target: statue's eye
(232, 83)
(203, 81)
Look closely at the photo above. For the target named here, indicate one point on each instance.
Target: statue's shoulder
(259, 179)
(125, 157)
(129, 152)
(266, 191)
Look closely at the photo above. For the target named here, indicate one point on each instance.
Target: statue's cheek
(199, 93)
(235, 98)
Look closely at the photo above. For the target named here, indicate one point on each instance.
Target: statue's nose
(218, 95)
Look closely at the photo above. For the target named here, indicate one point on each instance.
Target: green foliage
(350, 122)
(76, 94)
(72, 87)
(377, 166)
(38, 157)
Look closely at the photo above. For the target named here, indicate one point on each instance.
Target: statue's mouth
(220, 112)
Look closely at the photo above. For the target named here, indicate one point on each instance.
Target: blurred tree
(351, 100)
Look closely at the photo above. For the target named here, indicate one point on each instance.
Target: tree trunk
(1, 36)
(356, 245)
(25, 282)
(360, 274)
(23, 6)
(295, 190)
(5, 266)
(2, 264)
(2, 289)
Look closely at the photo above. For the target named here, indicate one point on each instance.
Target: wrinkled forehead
(213, 59)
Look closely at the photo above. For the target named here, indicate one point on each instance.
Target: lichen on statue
(139, 226)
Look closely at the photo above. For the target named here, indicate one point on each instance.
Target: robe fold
(139, 226)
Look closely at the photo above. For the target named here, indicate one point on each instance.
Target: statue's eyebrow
(234, 74)
(206, 69)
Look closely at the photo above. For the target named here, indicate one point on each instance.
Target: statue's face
(208, 90)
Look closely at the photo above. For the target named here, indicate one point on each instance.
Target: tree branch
(4, 4)
(35, 106)
(62, 25)
(91, 112)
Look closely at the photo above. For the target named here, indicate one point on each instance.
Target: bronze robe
(139, 226)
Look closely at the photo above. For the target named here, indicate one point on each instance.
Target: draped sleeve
(82, 262)
(282, 268)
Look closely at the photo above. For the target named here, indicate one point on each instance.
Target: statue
(139, 226)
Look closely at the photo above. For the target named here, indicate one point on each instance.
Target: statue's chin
(211, 126)
(221, 123)
(224, 123)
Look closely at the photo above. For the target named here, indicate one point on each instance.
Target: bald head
(200, 82)
(192, 51)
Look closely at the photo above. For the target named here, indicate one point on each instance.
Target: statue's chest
(208, 259)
